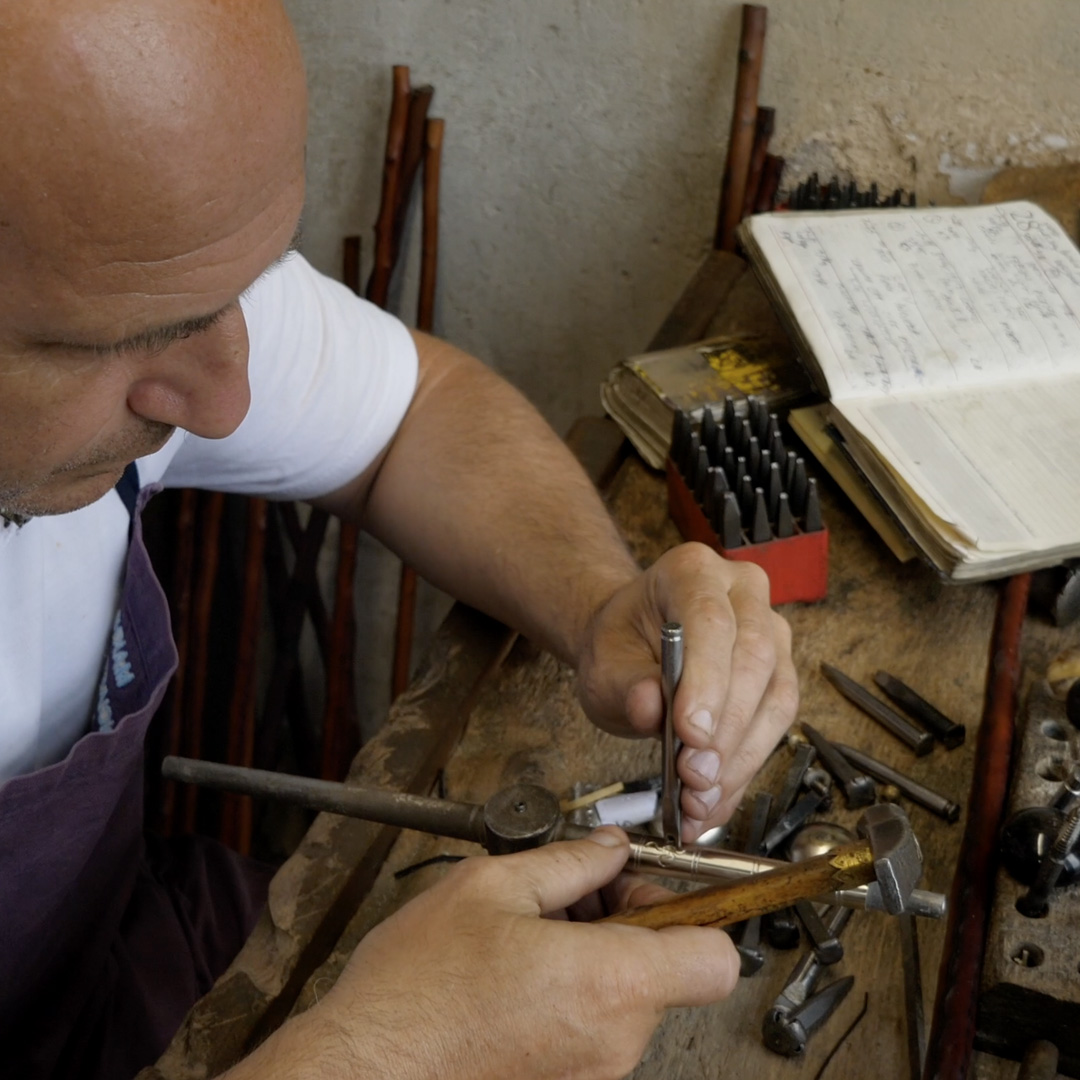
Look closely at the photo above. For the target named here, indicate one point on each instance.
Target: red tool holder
(798, 566)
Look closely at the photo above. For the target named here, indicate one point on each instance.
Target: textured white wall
(585, 142)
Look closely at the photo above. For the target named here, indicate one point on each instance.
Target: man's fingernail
(702, 720)
(709, 799)
(608, 837)
(706, 763)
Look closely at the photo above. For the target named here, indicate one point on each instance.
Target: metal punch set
(734, 484)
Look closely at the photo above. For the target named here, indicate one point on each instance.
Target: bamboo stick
(379, 283)
(743, 121)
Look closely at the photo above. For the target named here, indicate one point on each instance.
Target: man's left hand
(738, 692)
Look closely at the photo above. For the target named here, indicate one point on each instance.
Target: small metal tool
(1035, 903)
(1026, 840)
(913, 997)
(922, 742)
(819, 780)
(858, 788)
(680, 436)
(709, 428)
(937, 723)
(747, 935)
(786, 1027)
(759, 528)
(785, 522)
(803, 755)
(788, 1034)
(811, 842)
(1069, 793)
(701, 474)
(761, 477)
(795, 818)
(911, 789)
(671, 664)
(812, 508)
(732, 522)
(826, 946)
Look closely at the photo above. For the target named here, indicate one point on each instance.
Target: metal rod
(671, 663)
(463, 821)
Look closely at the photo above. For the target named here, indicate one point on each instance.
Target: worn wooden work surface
(527, 725)
(521, 721)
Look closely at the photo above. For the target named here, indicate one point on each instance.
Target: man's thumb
(558, 875)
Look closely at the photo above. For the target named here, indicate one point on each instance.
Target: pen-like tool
(671, 662)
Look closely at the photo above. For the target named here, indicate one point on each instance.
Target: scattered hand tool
(1069, 793)
(888, 861)
(671, 663)
(858, 789)
(1035, 903)
(526, 815)
(1027, 837)
(795, 818)
(803, 755)
(811, 842)
(798, 1010)
(788, 1034)
(922, 742)
(747, 935)
(950, 734)
(913, 997)
(916, 792)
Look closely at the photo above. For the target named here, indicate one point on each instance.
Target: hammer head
(897, 857)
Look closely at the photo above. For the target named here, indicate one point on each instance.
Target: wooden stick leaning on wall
(743, 124)
(425, 320)
(340, 731)
(763, 129)
(773, 169)
(378, 287)
(953, 1033)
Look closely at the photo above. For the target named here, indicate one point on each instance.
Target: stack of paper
(948, 343)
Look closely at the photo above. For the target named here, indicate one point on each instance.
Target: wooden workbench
(523, 722)
(487, 710)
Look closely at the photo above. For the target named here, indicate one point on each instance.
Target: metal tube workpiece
(463, 821)
(469, 821)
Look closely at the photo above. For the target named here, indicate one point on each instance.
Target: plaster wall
(585, 140)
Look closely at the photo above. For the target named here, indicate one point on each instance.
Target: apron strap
(127, 487)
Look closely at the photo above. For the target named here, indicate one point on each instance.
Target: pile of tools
(812, 194)
(793, 876)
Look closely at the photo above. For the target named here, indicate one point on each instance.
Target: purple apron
(107, 938)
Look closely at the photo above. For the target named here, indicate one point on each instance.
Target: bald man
(156, 331)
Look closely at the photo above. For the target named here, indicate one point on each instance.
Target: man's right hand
(470, 982)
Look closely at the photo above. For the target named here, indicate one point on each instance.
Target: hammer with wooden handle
(888, 859)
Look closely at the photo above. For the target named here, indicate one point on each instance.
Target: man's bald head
(152, 167)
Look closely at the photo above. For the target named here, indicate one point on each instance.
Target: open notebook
(948, 343)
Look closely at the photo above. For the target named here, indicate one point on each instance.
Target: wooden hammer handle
(722, 905)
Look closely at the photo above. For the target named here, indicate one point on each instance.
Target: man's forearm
(480, 495)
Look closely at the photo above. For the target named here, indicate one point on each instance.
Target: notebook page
(900, 301)
(1001, 465)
